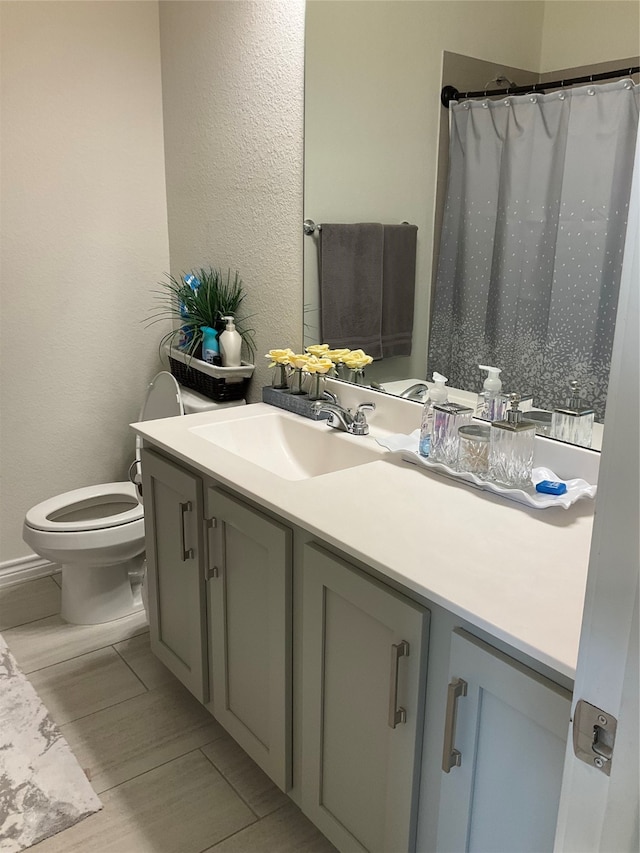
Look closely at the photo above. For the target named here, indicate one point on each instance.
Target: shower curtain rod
(450, 93)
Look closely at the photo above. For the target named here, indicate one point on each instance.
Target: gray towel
(367, 287)
(351, 261)
(398, 288)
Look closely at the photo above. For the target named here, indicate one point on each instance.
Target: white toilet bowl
(97, 533)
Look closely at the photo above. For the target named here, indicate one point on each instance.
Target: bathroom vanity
(396, 650)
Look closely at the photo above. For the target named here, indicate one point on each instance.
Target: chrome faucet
(417, 391)
(342, 419)
(333, 398)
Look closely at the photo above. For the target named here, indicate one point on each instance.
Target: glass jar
(473, 449)
(279, 376)
(316, 383)
(356, 375)
(296, 381)
(542, 421)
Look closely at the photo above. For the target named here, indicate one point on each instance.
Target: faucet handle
(364, 407)
(360, 425)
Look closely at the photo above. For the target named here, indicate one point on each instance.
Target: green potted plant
(202, 298)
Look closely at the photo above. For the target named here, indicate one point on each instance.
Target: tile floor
(169, 777)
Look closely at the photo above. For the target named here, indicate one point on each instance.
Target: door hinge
(211, 572)
(212, 523)
(594, 736)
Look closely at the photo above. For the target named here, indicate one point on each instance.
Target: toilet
(96, 534)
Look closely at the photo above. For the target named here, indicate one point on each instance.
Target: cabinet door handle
(452, 757)
(187, 553)
(396, 715)
(211, 572)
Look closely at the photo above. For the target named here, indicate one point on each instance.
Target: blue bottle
(210, 346)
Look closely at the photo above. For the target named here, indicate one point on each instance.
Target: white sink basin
(290, 446)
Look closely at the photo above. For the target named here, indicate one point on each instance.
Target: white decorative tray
(406, 446)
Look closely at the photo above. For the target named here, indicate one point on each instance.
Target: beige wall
(84, 239)
(584, 32)
(233, 109)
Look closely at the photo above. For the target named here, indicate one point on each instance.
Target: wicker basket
(222, 384)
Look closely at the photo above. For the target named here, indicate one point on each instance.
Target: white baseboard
(25, 569)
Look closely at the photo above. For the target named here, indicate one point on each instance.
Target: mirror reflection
(376, 150)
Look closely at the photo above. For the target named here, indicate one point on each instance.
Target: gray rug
(43, 789)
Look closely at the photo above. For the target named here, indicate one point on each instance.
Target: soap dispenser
(447, 420)
(492, 403)
(572, 420)
(230, 344)
(511, 447)
(438, 394)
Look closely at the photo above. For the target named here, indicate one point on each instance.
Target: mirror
(376, 134)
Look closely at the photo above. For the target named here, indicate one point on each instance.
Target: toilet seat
(96, 534)
(103, 506)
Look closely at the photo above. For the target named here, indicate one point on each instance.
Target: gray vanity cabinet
(173, 510)
(503, 753)
(364, 650)
(221, 579)
(250, 630)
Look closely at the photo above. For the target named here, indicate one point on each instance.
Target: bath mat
(43, 789)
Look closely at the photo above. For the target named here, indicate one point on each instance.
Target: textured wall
(84, 238)
(232, 78)
(583, 32)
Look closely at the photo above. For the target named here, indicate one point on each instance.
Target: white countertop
(517, 573)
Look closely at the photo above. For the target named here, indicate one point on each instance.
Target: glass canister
(447, 419)
(473, 449)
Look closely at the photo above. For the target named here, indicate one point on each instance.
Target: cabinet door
(173, 515)
(509, 733)
(364, 672)
(249, 596)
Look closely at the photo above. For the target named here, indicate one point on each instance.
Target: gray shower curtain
(532, 240)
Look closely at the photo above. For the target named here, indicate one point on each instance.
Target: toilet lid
(90, 508)
(162, 400)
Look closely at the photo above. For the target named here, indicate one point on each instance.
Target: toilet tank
(194, 402)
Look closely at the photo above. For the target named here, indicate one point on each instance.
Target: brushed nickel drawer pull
(396, 715)
(452, 757)
(187, 553)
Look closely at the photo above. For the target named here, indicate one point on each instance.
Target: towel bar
(309, 226)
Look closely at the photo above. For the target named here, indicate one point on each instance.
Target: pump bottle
(511, 447)
(230, 342)
(438, 394)
(492, 404)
